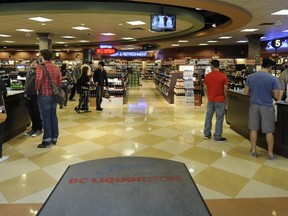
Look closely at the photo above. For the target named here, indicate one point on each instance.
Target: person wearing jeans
(100, 79)
(216, 87)
(46, 102)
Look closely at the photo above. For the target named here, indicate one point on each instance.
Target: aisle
(146, 126)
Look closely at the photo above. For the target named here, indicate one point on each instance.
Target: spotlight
(213, 25)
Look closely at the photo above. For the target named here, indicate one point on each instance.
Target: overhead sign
(130, 54)
(106, 51)
(277, 43)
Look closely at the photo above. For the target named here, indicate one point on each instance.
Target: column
(254, 47)
(87, 55)
(45, 41)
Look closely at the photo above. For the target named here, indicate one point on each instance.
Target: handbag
(57, 92)
(106, 94)
(3, 114)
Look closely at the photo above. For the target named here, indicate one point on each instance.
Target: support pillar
(87, 55)
(254, 47)
(45, 41)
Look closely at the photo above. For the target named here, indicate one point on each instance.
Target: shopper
(67, 82)
(100, 79)
(216, 86)
(262, 88)
(46, 102)
(83, 89)
(3, 94)
(284, 85)
(32, 102)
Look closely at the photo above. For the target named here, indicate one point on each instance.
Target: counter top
(10, 93)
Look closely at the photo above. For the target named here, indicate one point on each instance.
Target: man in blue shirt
(262, 88)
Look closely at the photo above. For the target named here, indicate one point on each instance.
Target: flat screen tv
(162, 22)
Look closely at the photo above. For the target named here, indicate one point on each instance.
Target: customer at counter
(260, 87)
(283, 78)
(3, 94)
(32, 101)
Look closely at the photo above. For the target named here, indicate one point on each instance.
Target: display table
(126, 186)
(17, 115)
(238, 118)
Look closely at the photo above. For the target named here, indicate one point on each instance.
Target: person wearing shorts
(262, 88)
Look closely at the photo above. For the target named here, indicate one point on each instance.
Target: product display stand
(165, 83)
(126, 186)
(189, 87)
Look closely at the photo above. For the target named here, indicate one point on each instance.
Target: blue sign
(284, 44)
(130, 54)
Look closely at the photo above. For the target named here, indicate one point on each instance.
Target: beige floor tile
(149, 139)
(166, 132)
(146, 127)
(152, 152)
(76, 129)
(26, 184)
(272, 176)
(102, 153)
(221, 181)
(128, 147)
(49, 156)
(172, 146)
(108, 139)
(201, 155)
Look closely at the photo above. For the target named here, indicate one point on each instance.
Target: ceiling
(231, 16)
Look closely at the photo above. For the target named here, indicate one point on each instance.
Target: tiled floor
(146, 126)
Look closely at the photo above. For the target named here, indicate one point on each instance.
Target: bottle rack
(149, 72)
(189, 87)
(165, 83)
(179, 92)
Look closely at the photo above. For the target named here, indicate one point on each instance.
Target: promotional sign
(105, 51)
(277, 44)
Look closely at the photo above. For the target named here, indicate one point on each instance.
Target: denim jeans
(219, 108)
(99, 95)
(48, 112)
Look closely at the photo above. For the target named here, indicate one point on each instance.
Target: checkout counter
(17, 115)
(238, 117)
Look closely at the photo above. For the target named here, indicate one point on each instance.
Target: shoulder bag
(3, 114)
(57, 92)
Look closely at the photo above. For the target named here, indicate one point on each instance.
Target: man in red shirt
(216, 86)
(46, 103)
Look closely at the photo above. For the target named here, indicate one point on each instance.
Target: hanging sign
(106, 51)
(277, 44)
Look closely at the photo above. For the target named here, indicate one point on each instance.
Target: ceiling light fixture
(60, 42)
(212, 41)
(183, 41)
(80, 28)
(249, 30)
(24, 30)
(83, 41)
(281, 12)
(225, 37)
(108, 34)
(40, 19)
(175, 45)
(285, 30)
(137, 22)
(4, 35)
(127, 38)
(242, 41)
(7, 41)
(68, 37)
(203, 44)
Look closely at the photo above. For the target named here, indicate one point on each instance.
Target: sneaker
(253, 154)
(37, 133)
(273, 157)
(77, 110)
(29, 133)
(99, 109)
(4, 158)
(207, 137)
(223, 139)
(54, 142)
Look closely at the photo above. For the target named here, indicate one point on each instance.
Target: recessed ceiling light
(285, 30)
(83, 41)
(68, 37)
(127, 38)
(137, 22)
(80, 28)
(203, 44)
(60, 42)
(4, 35)
(130, 48)
(242, 41)
(281, 12)
(198, 8)
(183, 41)
(7, 41)
(249, 30)
(225, 37)
(25, 30)
(40, 19)
(108, 34)
(175, 45)
(212, 41)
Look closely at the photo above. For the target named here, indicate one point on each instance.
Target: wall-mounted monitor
(162, 22)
